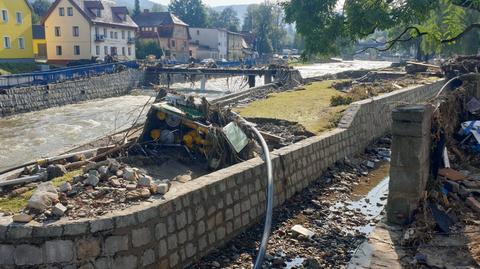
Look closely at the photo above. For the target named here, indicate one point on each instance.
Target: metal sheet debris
(237, 138)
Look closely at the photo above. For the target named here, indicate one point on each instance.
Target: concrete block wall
(26, 99)
(203, 214)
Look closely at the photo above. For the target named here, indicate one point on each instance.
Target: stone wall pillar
(410, 164)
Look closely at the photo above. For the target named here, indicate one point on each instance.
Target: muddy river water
(30, 136)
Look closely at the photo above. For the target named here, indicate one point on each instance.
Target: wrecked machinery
(201, 132)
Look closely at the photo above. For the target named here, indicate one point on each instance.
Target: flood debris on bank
(445, 230)
(182, 139)
(321, 226)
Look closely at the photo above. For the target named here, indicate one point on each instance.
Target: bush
(339, 100)
(143, 49)
(17, 68)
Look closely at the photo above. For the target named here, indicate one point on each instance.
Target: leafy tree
(227, 19)
(266, 21)
(136, 9)
(145, 48)
(40, 7)
(321, 23)
(193, 12)
(158, 8)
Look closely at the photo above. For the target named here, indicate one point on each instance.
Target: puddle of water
(369, 182)
(295, 263)
(369, 197)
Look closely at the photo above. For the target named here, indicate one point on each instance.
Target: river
(33, 135)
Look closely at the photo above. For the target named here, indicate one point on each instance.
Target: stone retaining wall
(26, 99)
(203, 214)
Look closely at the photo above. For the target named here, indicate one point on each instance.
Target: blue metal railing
(61, 74)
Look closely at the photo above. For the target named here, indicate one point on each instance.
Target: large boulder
(44, 197)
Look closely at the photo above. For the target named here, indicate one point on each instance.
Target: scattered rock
(59, 210)
(299, 229)
(115, 182)
(22, 218)
(138, 194)
(54, 171)
(163, 188)
(92, 180)
(131, 187)
(184, 178)
(145, 181)
(43, 197)
(103, 171)
(65, 187)
(129, 174)
(216, 264)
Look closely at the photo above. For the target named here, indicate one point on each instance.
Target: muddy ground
(335, 207)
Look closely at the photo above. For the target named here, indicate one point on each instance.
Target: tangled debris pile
(178, 130)
(312, 229)
(365, 87)
(445, 230)
(461, 65)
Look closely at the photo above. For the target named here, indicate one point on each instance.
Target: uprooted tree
(436, 22)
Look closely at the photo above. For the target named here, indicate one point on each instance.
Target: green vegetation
(17, 68)
(340, 100)
(193, 12)
(437, 24)
(143, 49)
(16, 204)
(309, 107)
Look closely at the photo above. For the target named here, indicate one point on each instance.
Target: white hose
(268, 218)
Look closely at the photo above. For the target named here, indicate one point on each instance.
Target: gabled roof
(38, 31)
(109, 12)
(148, 19)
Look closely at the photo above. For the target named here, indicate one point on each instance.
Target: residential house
(81, 29)
(39, 42)
(168, 31)
(15, 31)
(212, 42)
(236, 46)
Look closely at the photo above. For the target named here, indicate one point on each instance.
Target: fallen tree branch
(462, 34)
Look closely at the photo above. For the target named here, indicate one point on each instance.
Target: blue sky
(219, 2)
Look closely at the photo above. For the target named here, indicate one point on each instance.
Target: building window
(123, 51)
(105, 50)
(76, 31)
(198, 32)
(61, 11)
(116, 35)
(173, 43)
(59, 50)
(6, 42)
(97, 50)
(123, 34)
(70, 11)
(105, 32)
(99, 13)
(129, 51)
(21, 43)
(19, 17)
(57, 31)
(76, 50)
(129, 34)
(111, 34)
(5, 15)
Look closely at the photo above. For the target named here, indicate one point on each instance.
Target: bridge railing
(61, 74)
